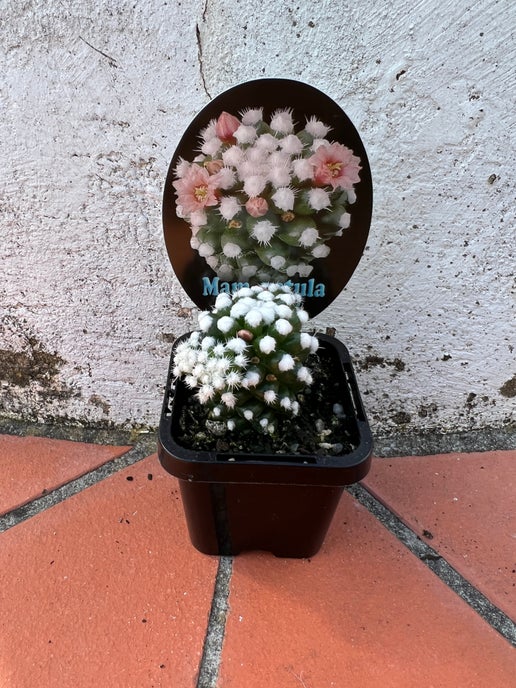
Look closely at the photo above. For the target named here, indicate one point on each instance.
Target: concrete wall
(94, 98)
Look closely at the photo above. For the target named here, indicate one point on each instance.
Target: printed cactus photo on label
(263, 199)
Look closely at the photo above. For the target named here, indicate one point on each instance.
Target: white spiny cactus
(247, 362)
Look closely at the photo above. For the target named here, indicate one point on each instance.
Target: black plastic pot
(281, 503)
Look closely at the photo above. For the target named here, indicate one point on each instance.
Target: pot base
(286, 520)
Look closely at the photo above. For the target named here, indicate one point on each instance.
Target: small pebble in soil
(338, 410)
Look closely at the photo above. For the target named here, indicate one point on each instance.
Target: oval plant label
(269, 183)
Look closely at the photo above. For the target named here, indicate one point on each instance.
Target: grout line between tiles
(494, 616)
(212, 651)
(141, 450)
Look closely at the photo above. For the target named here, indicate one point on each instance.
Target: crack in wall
(200, 57)
(112, 61)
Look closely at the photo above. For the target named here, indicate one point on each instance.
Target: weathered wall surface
(94, 99)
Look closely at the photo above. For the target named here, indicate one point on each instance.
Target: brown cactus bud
(245, 335)
(213, 166)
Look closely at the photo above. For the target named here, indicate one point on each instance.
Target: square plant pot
(282, 503)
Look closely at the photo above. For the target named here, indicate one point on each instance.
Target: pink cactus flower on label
(257, 206)
(336, 166)
(226, 126)
(197, 189)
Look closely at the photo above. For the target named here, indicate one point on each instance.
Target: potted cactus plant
(262, 421)
(233, 429)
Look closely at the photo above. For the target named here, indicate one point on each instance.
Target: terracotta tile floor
(102, 587)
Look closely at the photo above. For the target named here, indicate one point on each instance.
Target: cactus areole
(269, 183)
(266, 213)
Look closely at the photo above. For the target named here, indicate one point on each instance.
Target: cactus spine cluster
(262, 199)
(247, 360)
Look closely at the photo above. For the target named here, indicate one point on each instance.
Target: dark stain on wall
(401, 418)
(28, 370)
(99, 402)
(426, 410)
(508, 389)
(372, 361)
(35, 364)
